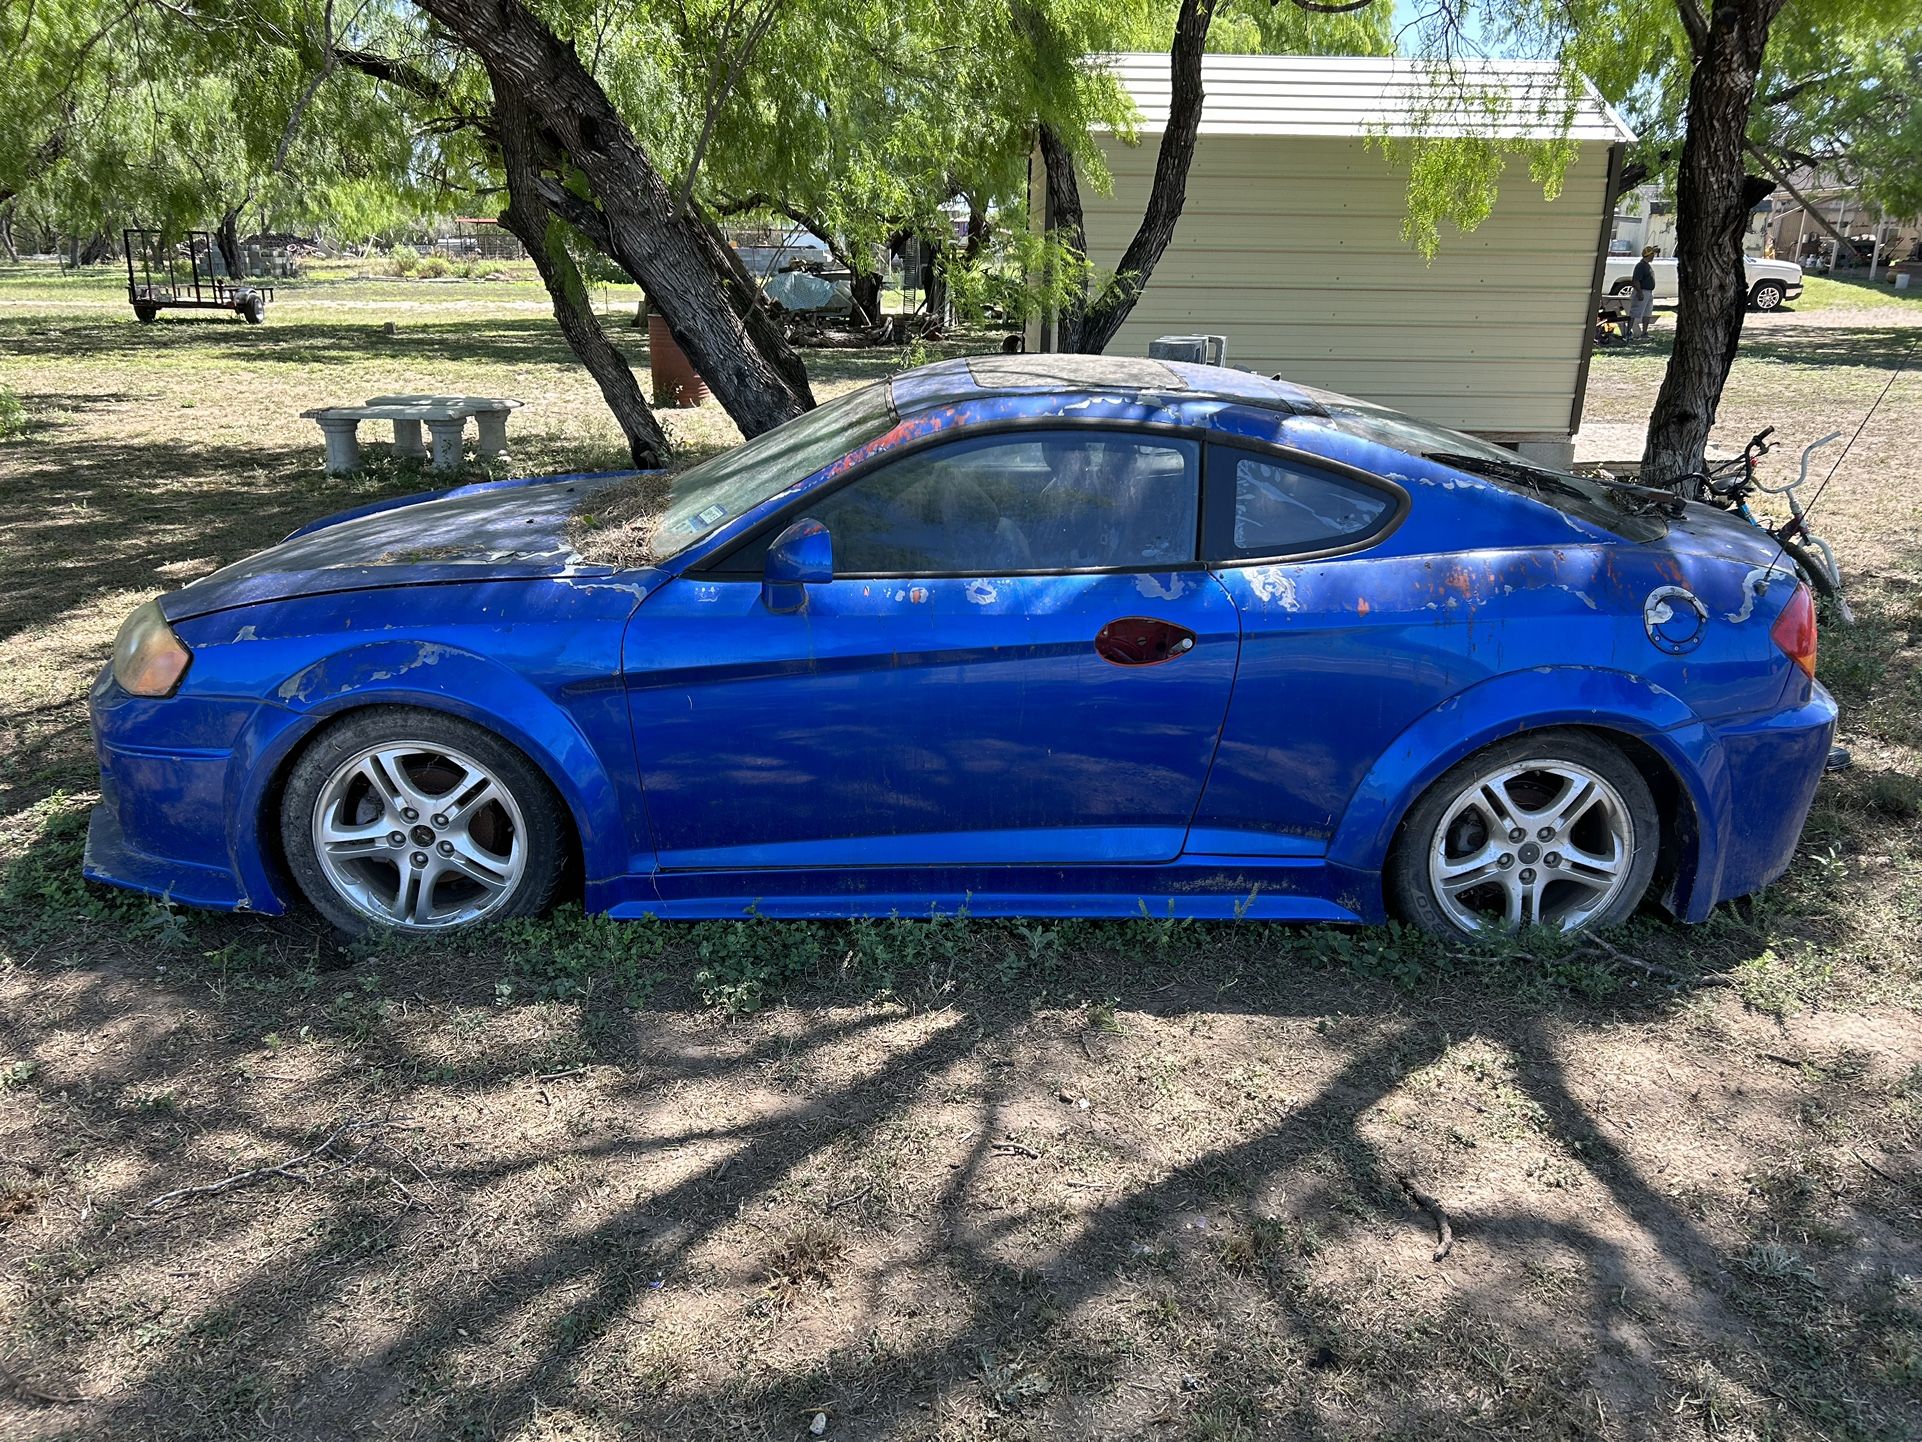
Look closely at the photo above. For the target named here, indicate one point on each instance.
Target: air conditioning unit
(1208, 350)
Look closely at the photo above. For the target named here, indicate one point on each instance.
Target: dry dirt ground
(576, 1180)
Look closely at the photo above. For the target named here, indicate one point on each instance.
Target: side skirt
(1263, 888)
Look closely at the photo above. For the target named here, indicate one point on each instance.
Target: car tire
(254, 308)
(494, 849)
(1622, 287)
(145, 314)
(1768, 295)
(1453, 871)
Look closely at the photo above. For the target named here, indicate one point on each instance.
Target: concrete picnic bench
(444, 416)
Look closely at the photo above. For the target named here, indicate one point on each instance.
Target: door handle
(1142, 641)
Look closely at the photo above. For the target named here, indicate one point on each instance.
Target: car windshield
(1619, 509)
(736, 481)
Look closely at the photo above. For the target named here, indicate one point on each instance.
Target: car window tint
(1275, 507)
(1038, 501)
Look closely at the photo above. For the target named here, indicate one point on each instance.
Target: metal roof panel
(1336, 95)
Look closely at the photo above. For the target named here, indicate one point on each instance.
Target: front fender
(1506, 705)
(447, 678)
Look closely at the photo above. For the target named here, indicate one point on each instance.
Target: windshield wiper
(1516, 470)
(1626, 495)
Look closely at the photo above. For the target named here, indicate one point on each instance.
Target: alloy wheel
(414, 834)
(1537, 842)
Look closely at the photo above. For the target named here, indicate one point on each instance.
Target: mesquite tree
(519, 137)
(632, 214)
(1713, 200)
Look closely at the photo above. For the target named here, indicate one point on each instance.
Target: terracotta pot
(676, 382)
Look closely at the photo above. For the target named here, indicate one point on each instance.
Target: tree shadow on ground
(893, 1205)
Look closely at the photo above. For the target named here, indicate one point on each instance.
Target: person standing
(1641, 296)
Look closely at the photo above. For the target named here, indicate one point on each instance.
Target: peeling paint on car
(1755, 585)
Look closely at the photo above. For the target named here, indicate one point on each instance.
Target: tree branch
(1802, 87)
(757, 31)
(1780, 177)
(399, 73)
(1695, 23)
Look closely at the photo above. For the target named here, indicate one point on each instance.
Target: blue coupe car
(1037, 635)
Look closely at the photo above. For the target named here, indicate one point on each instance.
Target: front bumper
(1773, 765)
(112, 859)
(169, 821)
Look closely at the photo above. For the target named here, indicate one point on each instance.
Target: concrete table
(340, 427)
(489, 412)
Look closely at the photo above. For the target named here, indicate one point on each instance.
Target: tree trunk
(1088, 326)
(977, 233)
(227, 237)
(933, 253)
(7, 242)
(866, 291)
(698, 287)
(541, 234)
(1711, 214)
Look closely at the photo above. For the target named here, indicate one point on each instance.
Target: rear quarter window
(1264, 506)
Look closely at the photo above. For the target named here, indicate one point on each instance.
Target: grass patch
(1854, 292)
(13, 414)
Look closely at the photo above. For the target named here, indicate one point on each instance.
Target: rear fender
(1507, 705)
(443, 678)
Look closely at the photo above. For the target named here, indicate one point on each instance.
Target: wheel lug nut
(439, 820)
(419, 858)
(394, 838)
(1518, 835)
(1505, 861)
(1545, 834)
(1554, 858)
(1528, 875)
(446, 848)
(407, 813)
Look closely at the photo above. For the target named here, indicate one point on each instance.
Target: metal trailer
(161, 286)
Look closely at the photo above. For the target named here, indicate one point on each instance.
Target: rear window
(1584, 497)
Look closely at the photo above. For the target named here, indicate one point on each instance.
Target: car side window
(1032, 501)
(1265, 506)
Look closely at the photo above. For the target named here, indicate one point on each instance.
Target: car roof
(1171, 384)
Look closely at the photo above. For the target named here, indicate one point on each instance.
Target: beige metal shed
(1290, 244)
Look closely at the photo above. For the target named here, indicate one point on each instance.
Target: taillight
(1794, 629)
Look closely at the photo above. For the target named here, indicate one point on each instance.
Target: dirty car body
(998, 692)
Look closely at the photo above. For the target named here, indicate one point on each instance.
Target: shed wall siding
(1292, 248)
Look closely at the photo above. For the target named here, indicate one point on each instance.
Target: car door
(1019, 659)
(1325, 679)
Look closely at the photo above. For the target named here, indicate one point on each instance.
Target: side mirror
(801, 556)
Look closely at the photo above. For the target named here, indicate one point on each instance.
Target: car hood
(502, 530)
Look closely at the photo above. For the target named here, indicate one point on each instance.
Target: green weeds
(13, 414)
(571, 956)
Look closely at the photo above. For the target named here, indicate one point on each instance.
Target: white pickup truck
(1770, 282)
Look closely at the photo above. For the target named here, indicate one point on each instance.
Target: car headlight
(148, 659)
